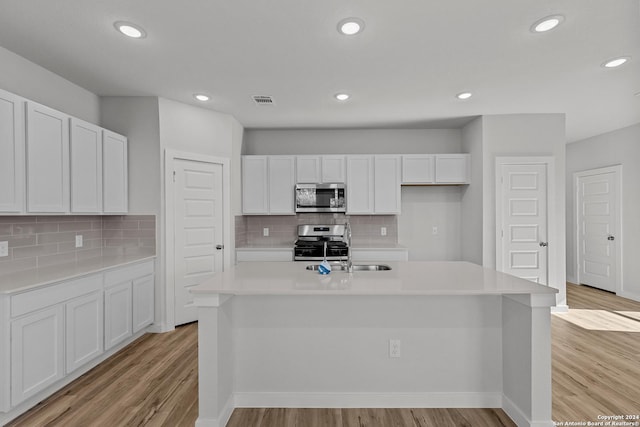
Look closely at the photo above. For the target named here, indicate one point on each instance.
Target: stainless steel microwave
(321, 198)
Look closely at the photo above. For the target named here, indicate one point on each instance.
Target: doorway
(598, 210)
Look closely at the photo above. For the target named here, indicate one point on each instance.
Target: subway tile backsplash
(40, 241)
(283, 228)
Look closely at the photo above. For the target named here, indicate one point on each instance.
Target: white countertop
(405, 278)
(30, 279)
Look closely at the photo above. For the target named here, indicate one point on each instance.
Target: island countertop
(404, 278)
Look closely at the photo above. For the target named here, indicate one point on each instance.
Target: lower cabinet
(117, 314)
(143, 302)
(84, 330)
(37, 352)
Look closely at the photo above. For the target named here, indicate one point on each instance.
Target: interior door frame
(617, 170)
(167, 255)
(552, 229)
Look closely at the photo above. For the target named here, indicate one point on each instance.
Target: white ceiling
(402, 71)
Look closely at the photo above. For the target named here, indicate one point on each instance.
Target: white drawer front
(126, 274)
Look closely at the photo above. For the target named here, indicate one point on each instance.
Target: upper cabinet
(316, 169)
(386, 186)
(86, 167)
(439, 169)
(47, 160)
(281, 179)
(268, 185)
(114, 173)
(373, 184)
(360, 184)
(12, 172)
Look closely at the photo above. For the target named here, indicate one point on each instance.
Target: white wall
(620, 147)
(526, 135)
(33, 82)
(471, 195)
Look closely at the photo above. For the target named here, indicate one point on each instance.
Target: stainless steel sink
(356, 267)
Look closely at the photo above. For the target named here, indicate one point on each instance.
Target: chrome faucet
(348, 265)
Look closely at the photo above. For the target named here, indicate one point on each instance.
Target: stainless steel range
(311, 242)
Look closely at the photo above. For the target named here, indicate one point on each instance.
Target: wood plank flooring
(153, 382)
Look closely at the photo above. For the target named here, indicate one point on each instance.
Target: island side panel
(333, 351)
(526, 355)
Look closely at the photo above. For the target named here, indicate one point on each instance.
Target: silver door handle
(611, 238)
(219, 247)
(544, 244)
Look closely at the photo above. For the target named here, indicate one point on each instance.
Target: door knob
(543, 244)
(611, 238)
(219, 247)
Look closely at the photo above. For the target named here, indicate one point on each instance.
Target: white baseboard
(368, 400)
(630, 295)
(222, 420)
(160, 328)
(519, 417)
(560, 309)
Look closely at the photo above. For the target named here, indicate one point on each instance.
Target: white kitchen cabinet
(386, 187)
(84, 325)
(281, 179)
(117, 314)
(360, 184)
(37, 352)
(268, 185)
(143, 302)
(47, 141)
(255, 190)
(333, 169)
(308, 170)
(418, 169)
(452, 168)
(12, 162)
(86, 167)
(115, 187)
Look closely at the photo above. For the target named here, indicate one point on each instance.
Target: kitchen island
(423, 334)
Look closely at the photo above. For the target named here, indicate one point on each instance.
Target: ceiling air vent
(263, 100)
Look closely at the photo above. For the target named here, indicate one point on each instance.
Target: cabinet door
(308, 170)
(47, 159)
(387, 184)
(86, 167)
(255, 198)
(84, 330)
(418, 169)
(452, 168)
(117, 314)
(333, 169)
(37, 352)
(115, 187)
(359, 184)
(11, 153)
(281, 185)
(143, 302)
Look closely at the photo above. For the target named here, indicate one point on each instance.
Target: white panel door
(255, 193)
(11, 153)
(359, 184)
(597, 216)
(387, 184)
(115, 187)
(86, 167)
(308, 170)
(198, 231)
(37, 352)
(47, 159)
(524, 221)
(117, 314)
(84, 329)
(281, 185)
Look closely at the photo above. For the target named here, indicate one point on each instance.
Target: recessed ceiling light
(616, 62)
(547, 23)
(464, 95)
(201, 97)
(130, 30)
(342, 96)
(350, 26)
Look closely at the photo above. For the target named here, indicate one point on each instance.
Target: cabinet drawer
(126, 274)
(35, 300)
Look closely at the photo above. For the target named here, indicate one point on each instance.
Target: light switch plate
(4, 248)
(265, 232)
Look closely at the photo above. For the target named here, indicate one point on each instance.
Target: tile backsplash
(40, 241)
(283, 228)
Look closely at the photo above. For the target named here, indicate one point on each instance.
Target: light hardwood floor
(153, 382)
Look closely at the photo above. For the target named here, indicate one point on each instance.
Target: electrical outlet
(383, 231)
(79, 240)
(394, 348)
(434, 230)
(4, 248)
(265, 232)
